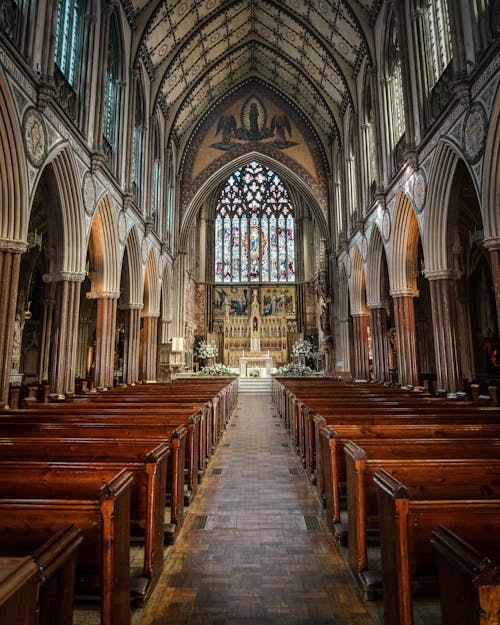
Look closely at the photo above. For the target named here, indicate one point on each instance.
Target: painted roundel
(474, 132)
(88, 191)
(34, 137)
(364, 249)
(386, 225)
(419, 189)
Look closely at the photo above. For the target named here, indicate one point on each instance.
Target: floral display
(255, 372)
(302, 348)
(217, 369)
(294, 370)
(206, 350)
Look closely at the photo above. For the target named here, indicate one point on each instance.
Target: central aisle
(254, 549)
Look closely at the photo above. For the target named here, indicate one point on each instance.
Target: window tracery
(254, 228)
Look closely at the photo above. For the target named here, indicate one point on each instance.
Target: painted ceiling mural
(197, 51)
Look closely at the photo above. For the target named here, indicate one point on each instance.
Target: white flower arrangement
(217, 369)
(293, 370)
(207, 350)
(255, 372)
(302, 348)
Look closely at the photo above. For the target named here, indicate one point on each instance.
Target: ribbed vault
(196, 51)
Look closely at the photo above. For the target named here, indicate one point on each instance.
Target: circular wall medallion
(144, 250)
(34, 137)
(419, 189)
(88, 191)
(348, 266)
(474, 132)
(122, 227)
(386, 225)
(364, 249)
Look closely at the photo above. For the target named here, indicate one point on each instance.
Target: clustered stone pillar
(379, 343)
(105, 340)
(149, 346)
(404, 313)
(495, 270)
(344, 350)
(131, 344)
(10, 261)
(361, 356)
(64, 341)
(446, 344)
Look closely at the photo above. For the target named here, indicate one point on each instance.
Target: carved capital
(13, 246)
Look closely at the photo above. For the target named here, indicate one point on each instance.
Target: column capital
(103, 295)
(13, 245)
(372, 305)
(63, 276)
(132, 306)
(442, 274)
(404, 293)
(492, 243)
(151, 315)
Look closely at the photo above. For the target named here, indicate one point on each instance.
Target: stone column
(10, 261)
(494, 248)
(379, 343)
(49, 303)
(149, 347)
(404, 314)
(445, 324)
(343, 351)
(361, 357)
(64, 333)
(131, 344)
(105, 340)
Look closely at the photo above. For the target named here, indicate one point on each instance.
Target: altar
(255, 361)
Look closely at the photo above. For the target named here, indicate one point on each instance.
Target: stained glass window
(68, 37)
(254, 228)
(111, 91)
(439, 27)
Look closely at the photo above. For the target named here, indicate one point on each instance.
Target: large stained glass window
(254, 228)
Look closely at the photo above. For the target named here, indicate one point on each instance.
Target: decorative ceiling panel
(198, 50)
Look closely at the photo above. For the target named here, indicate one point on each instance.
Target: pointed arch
(70, 205)
(376, 254)
(404, 250)
(103, 249)
(14, 215)
(217, 178)
(491, 176)
(357, 284)
(152, 285)
(436, 241)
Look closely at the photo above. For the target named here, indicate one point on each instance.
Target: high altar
(253, 326)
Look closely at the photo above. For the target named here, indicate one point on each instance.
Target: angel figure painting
(253, 128)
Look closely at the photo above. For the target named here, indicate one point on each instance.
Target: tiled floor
(253, 560)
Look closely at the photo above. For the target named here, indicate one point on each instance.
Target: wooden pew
(112, 423)
(406, 525)
(364, 459)
(18, 591)
(36, 502)
(331, 440)
(145, 460)
(55, 561)
(469, 577)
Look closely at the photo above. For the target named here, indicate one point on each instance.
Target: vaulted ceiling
(197, 51)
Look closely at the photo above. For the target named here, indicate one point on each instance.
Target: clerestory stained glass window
(68, 39)
(254, 228)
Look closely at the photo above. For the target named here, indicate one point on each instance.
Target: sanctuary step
(254, 385)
